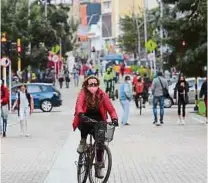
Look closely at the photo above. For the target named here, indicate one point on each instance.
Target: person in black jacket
(203, 92)
(182, 89)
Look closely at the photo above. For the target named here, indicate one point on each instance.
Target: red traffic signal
(184, 43)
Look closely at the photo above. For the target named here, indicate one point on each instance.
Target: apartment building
(112, 11)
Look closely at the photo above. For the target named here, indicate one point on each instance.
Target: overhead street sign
(150, 45)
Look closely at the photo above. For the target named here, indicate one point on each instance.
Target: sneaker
(100, 173)
(4, 134)
(183, 121)
(161, 122)
(81, 146)
(27, 135)
(157, 124)
(179, 121)
(155, 121)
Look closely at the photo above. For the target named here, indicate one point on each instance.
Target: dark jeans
(85, 129)
(181, 102)
(159, 100)
(4, 125)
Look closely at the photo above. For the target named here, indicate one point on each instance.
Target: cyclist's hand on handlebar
(83, 118)
(115, 122)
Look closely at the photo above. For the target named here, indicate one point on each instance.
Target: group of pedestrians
(159, 87)
(24, 104)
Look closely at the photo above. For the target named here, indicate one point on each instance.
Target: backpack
(28, 98)
(139, 87)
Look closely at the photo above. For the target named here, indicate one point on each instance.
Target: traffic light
(19, 49)
(5, 45)
(184, 43)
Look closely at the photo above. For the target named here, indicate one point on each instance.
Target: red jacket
(4, 95)
(105, 106)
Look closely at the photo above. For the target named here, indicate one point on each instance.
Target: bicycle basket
(100, 130)
(109, 133)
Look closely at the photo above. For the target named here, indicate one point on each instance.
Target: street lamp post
(161, 36)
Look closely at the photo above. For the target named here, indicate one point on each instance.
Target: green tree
(128, 40)
(186, 25)
(42, 33)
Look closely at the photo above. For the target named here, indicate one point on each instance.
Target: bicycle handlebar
(90, 120)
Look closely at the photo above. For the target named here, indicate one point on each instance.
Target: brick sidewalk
(145, 153)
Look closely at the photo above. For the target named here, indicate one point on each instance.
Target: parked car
(46, 96)
(168, 102)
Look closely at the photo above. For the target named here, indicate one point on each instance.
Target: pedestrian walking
(203, 92)
(159, 84)
(182, 89)
(67, 78)
(61, 79)
(125, 99)
(25, 105)
(4, 106)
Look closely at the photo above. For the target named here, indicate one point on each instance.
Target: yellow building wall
(121, 8)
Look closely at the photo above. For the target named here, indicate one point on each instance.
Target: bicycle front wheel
(82, 168)
(96, 166)
(140, 106)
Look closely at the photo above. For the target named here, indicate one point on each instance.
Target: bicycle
(88, 159)
(140, 104)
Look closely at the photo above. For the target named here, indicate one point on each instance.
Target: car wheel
(46, 106)
(168, 103)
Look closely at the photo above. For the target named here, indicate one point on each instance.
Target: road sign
(151, 56)
(5, 61)
(150, 45)
(55, 49)
(55, 58)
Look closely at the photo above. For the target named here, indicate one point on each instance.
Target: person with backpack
(138, 89)
(4, 106)
(159, 85)
(182, 89)
(25, 105)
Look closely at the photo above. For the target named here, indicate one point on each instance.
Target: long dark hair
(91, 102)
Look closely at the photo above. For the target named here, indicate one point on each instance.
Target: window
(46, 88)
(33, 88)
(107, 5)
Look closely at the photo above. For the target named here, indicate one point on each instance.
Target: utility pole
(29, 22)
(46, 9)
(145, 23)
(161, 36)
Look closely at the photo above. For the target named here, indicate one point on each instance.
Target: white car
(168, 102)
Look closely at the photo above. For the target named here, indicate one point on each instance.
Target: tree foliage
(41, 32)
(187, 23)
(128, 39)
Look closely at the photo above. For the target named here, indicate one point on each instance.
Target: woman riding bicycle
(93, 103)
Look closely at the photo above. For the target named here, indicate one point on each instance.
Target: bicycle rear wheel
(107, 165)
(140, 106)
(82, 168)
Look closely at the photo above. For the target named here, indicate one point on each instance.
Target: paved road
(141, 152)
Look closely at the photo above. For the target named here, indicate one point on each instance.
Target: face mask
(92, 89)
(129, 81)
